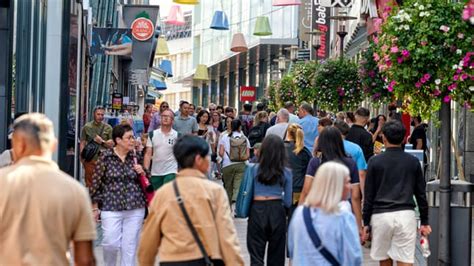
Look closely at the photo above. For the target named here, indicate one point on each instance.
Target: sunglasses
(165, 106)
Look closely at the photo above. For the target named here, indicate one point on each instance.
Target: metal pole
(444, 237)
(342, 35)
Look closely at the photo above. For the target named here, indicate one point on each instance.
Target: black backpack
(256, 134)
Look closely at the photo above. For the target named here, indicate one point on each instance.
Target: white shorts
(394, 236)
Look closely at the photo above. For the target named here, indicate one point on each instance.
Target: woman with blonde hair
(298, 160)
(321, 233)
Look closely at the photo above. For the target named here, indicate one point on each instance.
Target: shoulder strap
(102, 129)
(190, 224)
(315, 238)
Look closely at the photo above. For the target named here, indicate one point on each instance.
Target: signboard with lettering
(321, 22)
(248, 93)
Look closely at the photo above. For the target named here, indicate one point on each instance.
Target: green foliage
(425, 51)
(338, 85)
(303, 78)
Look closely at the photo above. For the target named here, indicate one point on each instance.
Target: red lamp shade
(175, 17)
(286, 2)
(238, 44)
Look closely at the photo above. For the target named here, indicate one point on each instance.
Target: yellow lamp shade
(262, 27)
(238, 44)
(162, 47)
(201, 73)
(187, 2)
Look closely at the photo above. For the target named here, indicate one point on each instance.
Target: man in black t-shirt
(359, 135)
(418, 138)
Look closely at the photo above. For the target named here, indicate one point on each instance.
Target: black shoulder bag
(92, 148)
(315, 238)
(190, 225)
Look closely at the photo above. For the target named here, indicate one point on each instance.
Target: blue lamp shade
(165, 66)
(220, 21)
(159, 85)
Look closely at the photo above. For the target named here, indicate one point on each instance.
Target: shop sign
(248, 93)
(117, 100)
(321, 22)
(142, 29)
(336, 3)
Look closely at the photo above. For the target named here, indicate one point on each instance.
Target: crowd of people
(324, 185)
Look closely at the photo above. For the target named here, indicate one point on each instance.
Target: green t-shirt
(92, 129)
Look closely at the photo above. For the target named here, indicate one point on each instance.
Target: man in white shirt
(159, 147)
(281, 125)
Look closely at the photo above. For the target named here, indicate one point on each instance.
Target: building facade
(228, 71)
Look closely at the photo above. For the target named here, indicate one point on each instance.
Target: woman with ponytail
(298, 160)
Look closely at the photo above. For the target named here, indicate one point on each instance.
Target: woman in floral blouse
(116, 191)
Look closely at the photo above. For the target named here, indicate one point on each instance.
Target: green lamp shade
(262, 27)
(187, 2)
(201, 73)
(162, 47)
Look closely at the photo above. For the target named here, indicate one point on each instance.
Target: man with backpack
(247, 118)
(234, 148)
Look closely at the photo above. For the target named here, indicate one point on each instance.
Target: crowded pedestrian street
(236, 132)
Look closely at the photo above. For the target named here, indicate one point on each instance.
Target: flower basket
(425, 51)
(338, 85)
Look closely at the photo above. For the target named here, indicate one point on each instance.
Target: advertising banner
(305, 22)
(321, 22)
(111, 41)
(248, 93)
(141, 19)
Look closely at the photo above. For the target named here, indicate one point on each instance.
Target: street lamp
(342, 29)
(315, 41)
(293, 52)
(281, 63)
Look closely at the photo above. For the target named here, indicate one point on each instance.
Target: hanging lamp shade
(262, 27)
(175, 17)
(187, 2)
(201, 73)
(165, 66)
(238, 43)
(158, 84)
(162, 47)
(286, 2)
(220, 21)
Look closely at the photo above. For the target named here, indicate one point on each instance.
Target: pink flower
(376, 57)
(394, 49)
(393, 83)
(388, 63)
(437, 92)
(418, 85)
(400, 60)
(427, 76)
(456, 77)
(423, 43)
(405, 53)
(464, 76)
(423, 80)
(390, 88)
(444, 28)
(447, 99)
(376, 40)
(460, 35)
(452, 87)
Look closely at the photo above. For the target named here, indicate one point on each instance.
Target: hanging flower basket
(374, 85)
(425, 51)
(338, 85)
(282, 91)
(303, 77)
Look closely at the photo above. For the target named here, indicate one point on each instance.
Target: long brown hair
(295, 132)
